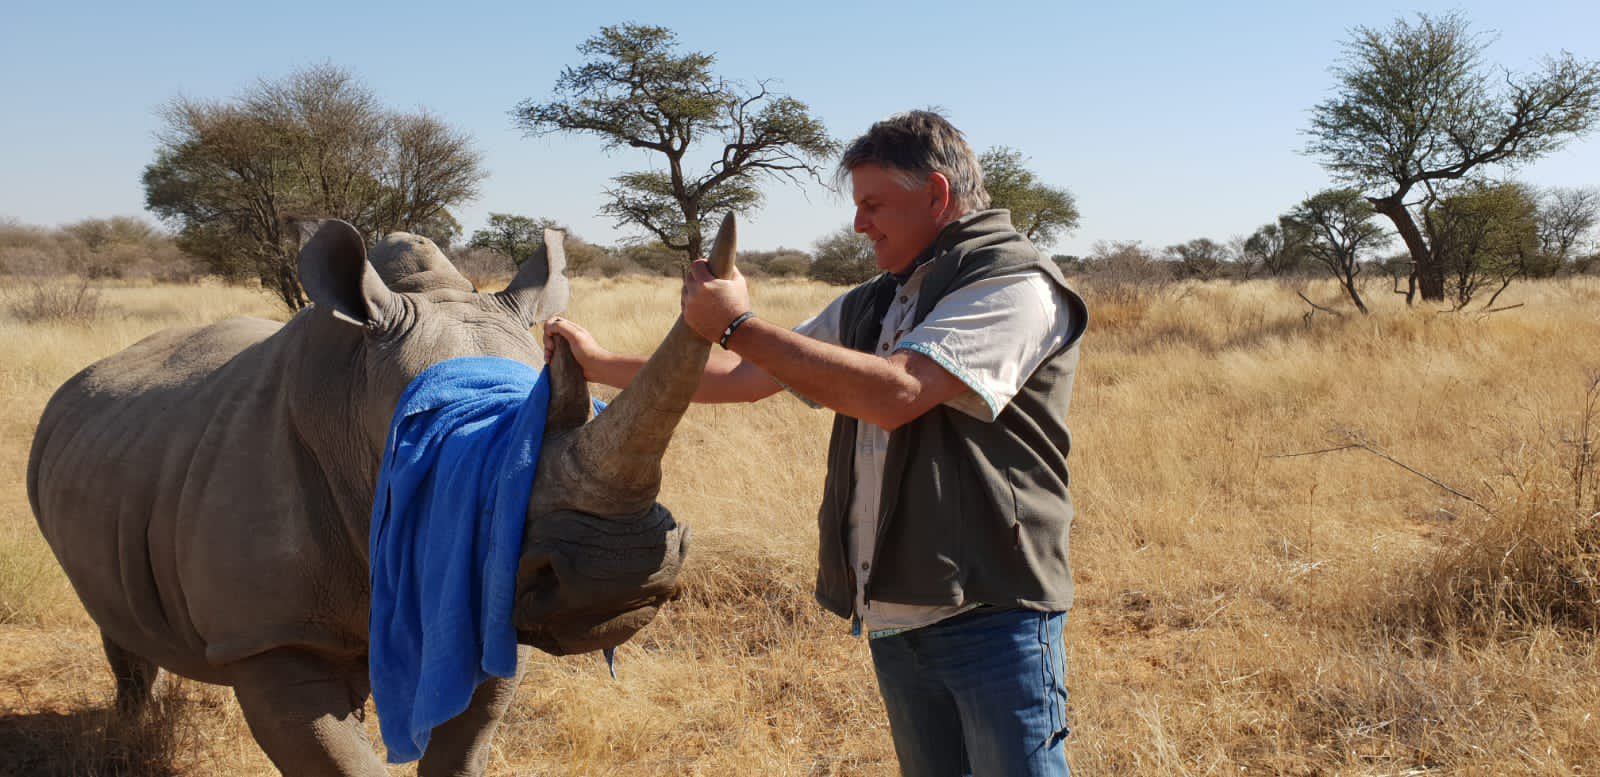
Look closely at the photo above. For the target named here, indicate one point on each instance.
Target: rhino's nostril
(683, 544)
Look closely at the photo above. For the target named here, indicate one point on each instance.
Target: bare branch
(1369, 448)
(1329, 311)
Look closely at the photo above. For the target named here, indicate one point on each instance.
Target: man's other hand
(711, 303)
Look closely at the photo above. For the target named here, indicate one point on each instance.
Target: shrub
(1535, 561)
(48, 300)
(27, 260)
(1536, 567)
(582, 256)
(484, 267)
(780, 262)
(844, 258)
(1121, 280)
(611, 265)
(120, 247)
(789, 265)
(656, 258)
(26, 250)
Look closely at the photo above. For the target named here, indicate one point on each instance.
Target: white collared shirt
(991, 335)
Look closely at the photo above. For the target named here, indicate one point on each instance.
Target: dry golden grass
(1242, 610)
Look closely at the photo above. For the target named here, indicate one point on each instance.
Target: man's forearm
(881, 391)
(616, 370)
(887, 391)
(725, 379)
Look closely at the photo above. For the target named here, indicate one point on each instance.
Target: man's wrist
(733, 326)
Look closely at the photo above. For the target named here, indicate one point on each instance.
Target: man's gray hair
(914, 145)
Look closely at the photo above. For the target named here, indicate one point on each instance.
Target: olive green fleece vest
(972, 512)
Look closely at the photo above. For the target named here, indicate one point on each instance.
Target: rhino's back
(155, 479)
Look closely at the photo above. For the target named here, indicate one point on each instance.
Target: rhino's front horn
(620, 451)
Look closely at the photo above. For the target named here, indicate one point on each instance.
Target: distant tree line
(121, 247)
(1485, 236)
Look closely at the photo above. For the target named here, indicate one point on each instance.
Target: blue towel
(446, 538)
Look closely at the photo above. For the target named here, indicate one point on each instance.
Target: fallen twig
(1364, 445)
(1316, 307)
(1487, 311)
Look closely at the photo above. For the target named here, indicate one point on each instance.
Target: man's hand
(710, 303)
(585, 349)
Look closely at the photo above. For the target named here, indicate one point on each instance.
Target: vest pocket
(1013, 508)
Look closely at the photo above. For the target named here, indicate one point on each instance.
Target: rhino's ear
(335, 273)
(540, 289)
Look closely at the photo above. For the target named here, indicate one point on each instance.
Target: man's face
(901, 223)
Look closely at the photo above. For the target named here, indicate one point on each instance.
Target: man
(945, 511)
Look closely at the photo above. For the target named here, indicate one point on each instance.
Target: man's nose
(861, 223)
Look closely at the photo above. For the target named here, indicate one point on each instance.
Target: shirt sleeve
(991, 335)
(825, 326)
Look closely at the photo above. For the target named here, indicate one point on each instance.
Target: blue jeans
(981, 693)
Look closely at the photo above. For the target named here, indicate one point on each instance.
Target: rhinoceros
(209, 493)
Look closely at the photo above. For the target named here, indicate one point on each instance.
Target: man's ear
(938, 194)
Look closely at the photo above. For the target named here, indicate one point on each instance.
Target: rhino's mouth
(588, 632)
(588, 583)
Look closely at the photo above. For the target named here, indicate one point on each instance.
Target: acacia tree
(634, 90)
(238, 178)
(512, 236)
(1416, 106)
(1338, 223)
(518, 237)
(1566, 217)
(1201, 258)
(1484, 235)
(1040, 212)
(1279, 248)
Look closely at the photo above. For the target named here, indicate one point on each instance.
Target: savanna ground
(1241, 610)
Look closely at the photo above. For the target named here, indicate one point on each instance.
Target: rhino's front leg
(460, 747)
(305, 712)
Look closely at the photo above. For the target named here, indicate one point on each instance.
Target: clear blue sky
(1167, 120)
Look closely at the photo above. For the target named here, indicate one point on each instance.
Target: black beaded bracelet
(737, 322)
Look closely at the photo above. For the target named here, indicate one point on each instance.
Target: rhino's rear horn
(569, 392)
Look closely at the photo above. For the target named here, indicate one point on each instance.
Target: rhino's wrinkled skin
(209, 493)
